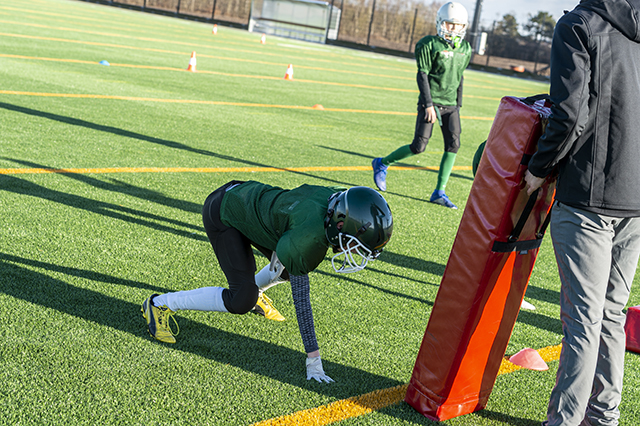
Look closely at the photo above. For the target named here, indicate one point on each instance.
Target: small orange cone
(318, 106)
(192, 62)
(289, 74)
(263, 39)
(215, 29)
(529, 358)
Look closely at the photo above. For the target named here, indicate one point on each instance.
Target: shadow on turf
(384, 290)
(411, 416)
(507, 419)
(133, 135)
(411, 262)
(81, 273)
(122, 187)
(250, 354)
(20, 186)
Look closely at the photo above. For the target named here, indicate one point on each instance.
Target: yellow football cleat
(264, 307)
(158, 321)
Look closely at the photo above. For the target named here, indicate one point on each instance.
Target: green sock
(397, 155)
(446, 165)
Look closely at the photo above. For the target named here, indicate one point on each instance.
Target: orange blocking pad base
(632, 329)
(487, 272)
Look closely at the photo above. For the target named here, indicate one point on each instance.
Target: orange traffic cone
(263, 39)
(529, 358)
(215, 29)
(192, 62)
(289, 74)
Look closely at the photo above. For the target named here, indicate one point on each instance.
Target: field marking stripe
(191, 47)
(242, 43)
(18, 171)
(364, 404)
(201, 102)
(156, 67)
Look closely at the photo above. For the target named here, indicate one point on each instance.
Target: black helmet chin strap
(331, 209)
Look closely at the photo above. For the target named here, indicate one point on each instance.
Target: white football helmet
(454, 13)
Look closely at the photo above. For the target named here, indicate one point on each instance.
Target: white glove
(315, 371)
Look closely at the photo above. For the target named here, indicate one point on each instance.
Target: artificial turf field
(103, 171)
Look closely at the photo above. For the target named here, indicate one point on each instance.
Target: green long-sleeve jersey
(444, 66)
(291, 222)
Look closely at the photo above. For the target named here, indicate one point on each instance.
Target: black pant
(235, 255)
(451, 129)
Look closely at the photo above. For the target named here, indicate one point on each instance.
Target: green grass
(80, 252)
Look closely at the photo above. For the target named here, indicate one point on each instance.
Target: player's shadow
(15, 185)
(345, 277)
(80, 273)
(151, 139)
(250, 354)
(115, 185)
(411, 262)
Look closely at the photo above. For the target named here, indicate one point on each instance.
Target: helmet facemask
(356, 255)
(453, 36)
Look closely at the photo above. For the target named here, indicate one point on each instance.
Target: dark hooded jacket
(593, 134)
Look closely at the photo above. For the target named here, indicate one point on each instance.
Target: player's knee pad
(418, 145)
(241, 302)
(453, 146)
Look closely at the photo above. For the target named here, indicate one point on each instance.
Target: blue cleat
(439, 197)
(379, 173)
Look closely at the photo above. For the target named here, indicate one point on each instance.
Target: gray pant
(597, 258)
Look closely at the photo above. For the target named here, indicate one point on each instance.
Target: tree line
(533, 44)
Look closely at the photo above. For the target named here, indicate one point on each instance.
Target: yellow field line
(182, 29)
(18, 171)
(373, 401)
(191, 47)
(202, 102)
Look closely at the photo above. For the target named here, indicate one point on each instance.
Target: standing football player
(441, 61)
(293, 228)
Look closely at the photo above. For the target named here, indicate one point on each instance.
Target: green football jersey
(444, 65)
(291, 222)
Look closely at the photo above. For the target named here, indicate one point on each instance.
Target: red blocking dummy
(487, 273)
(632, 329)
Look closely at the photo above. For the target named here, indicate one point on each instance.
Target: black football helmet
(358, 225)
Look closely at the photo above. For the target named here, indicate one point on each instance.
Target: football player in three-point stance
(293, 228)
(441, 61)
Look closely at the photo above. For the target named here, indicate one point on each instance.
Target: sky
(494, 10)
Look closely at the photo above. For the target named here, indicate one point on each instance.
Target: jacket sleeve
(459, 94)
(570, 77)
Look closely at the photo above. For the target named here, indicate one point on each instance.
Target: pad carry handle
(512, 243)
(515, 234)
(533, 99)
